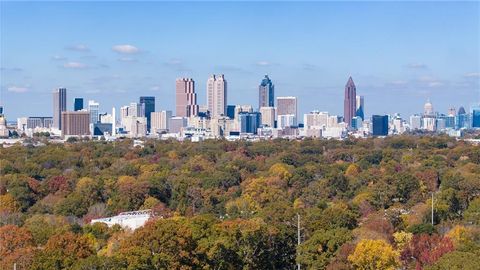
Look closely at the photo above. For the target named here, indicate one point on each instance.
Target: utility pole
(298, 236)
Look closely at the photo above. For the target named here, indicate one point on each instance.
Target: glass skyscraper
(476, 117)
(380, 125)
(78, 104)
(149, 106)
(266, 93)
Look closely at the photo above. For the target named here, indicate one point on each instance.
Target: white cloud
(472, 75)
(59, 57)
(435, 84)
(263, 63)
(125, 48)
(17, 89)
(75, 65)
(155, 88)
(417, 65)
(78, 48)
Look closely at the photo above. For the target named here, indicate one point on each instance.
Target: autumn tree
(374, 255)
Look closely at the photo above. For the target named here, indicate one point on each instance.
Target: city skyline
(397, 74)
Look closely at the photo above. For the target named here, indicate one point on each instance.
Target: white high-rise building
(429, 123)
(93, 108)
(160, 120)
(315, 119)
(415, 122)
(268, 116)
(217, 95)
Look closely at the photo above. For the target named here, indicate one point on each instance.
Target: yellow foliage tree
(402, 239)
(8, 203)
(374, 255)
(352, 170)
(459, 235)
(281, 170)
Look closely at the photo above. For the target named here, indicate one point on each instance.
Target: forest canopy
(361, 204)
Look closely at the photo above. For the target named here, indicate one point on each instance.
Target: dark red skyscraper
(349, 103)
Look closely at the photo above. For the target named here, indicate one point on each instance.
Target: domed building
(428, 108)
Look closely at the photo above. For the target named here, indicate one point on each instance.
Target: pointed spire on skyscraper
(349, 102)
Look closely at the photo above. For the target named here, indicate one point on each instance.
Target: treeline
(362, 204)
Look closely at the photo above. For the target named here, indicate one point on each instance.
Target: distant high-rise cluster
(276, 116)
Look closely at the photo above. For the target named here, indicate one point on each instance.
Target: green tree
(316, 252)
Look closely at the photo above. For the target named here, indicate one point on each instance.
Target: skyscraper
(476, 116)
(349, 103)
(149, 105)
(360, 112)
(380, 125)
(59, 106)
(185, 98)
(78, 104)
(268, 116)
(160, 121)
(93, 108)
(266, 93)
(217, 95)
(286, 105)
(249, 122)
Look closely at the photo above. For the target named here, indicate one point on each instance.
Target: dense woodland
(363, 204)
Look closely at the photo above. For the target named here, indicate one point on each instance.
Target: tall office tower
(349, 103)
(360, 109)
(217, 95)
(462, 119)
(231, 111)
(78, 104)
(75, 123)
(186, 98)
(59, 106)
(149, 105)
(93, 108)
(266, 93)
(415, 122)
(380, 125)
(476, 116)
(160, 120)
(428, 108)
(268, 116)
(287, 106)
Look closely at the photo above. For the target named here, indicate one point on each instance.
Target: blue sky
(398, 53)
